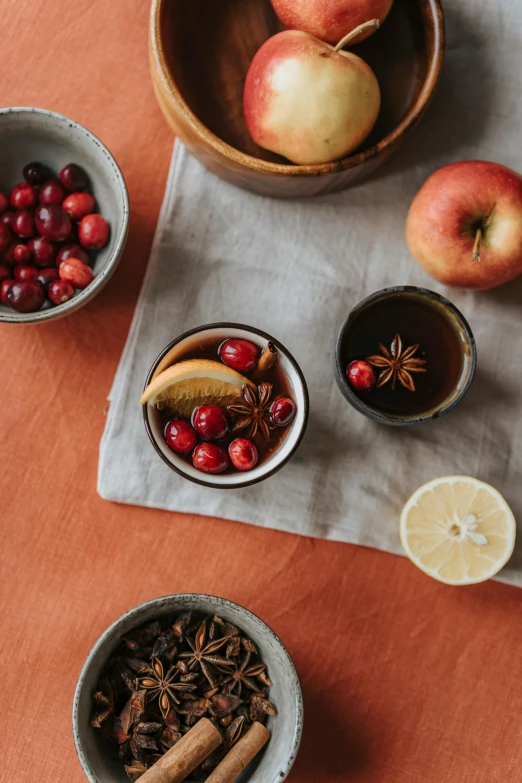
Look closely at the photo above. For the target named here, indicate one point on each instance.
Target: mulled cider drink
(225, 404)
(407, 354)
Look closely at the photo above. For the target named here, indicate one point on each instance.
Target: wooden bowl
(200, 52)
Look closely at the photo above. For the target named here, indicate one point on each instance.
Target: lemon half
(458, 530)
(185, 385)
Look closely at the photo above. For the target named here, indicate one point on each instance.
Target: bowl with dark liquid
(274, 443)
(421, 350)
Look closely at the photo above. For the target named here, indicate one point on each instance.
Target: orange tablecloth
(405, 680)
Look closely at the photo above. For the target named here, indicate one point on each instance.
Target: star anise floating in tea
(167, 675)
(397, 364)
(254, 412)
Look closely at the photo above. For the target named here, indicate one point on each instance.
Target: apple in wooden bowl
(200, 53)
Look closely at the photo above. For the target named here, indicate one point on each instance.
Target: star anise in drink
(254, 413)
(397, 364)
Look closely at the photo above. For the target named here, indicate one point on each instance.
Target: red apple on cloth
(329, 20)
(309, 101)
(465, 224)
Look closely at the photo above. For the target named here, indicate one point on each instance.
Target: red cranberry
(73, 177)
(8, 254)
(46, 276)
(51, 192)
(25, 297)
(5, 285)
(42, 250)
(24, 272)
(180, 436)
(210, 458)
(241, 355)
(76, 273)
(209, 421)
(23, 196)
(5, 237)
(5, 272)
(52, 222)
(93, 232)
(21, 254)
(282, 411)
(35, 174)
(23, 223)
(78, 205)
(361, 375)
(7, 218)
(243, 454)
(59, 291)
(4, 202)
(72, 251)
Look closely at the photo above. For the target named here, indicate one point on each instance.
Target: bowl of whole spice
(188, 685)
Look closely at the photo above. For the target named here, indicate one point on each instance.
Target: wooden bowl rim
(431, 11)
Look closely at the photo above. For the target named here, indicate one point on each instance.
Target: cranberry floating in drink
(218, 419)
(181, 436)
(361, 375)
(243, 454)
(241, 355)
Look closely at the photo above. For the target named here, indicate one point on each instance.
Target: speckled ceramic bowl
(28, 134)
(273, 763)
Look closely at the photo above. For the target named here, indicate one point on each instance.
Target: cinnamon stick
(240, 754)
(186, 755)
(267, 358)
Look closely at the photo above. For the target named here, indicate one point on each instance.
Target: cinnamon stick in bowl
(240, 755)
(186, 755)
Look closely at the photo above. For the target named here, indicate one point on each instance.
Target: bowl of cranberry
(225, 405)
(64, 214)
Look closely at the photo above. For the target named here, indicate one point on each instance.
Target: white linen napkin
(295, 269)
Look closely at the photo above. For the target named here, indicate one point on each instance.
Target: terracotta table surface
(404, 680)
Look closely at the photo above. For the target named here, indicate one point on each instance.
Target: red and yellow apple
(465, 224)
(308, 101)
(329, 20)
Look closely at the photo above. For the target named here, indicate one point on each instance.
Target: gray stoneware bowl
(28, 134)
(273, 763)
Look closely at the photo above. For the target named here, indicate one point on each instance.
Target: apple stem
(476, 247)
(347, 38)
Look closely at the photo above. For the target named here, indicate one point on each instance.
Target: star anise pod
(135, 770)
(397, 364)
(103, 703)
(133, 710)
(259, 707)
(253, 413)
(242, 674)
(141, 739)
(164, 686)
(203, 654)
